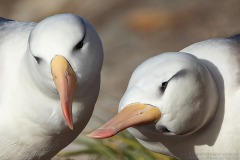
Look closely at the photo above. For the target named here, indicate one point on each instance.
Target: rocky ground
(135, 30)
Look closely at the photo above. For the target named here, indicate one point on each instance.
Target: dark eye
(164, 86)
(79, 45)
(37, 59)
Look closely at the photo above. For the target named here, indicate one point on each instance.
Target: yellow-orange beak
(131, 115)
(65, 80)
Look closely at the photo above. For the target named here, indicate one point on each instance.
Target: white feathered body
(32, 125)
(220, 138)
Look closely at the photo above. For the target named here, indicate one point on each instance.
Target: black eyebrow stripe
(177, 75)
(85, 30)
(83, 38)
(180, 73)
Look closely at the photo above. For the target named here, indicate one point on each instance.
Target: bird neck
(213, 94)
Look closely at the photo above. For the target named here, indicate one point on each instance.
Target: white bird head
(169, 94)
(66, 52)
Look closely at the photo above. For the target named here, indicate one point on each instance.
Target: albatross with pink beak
(185, 104)
(49, 83)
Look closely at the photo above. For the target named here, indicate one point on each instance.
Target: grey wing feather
(4, 19)
(236, 37)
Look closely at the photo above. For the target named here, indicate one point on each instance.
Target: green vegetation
(123, 146)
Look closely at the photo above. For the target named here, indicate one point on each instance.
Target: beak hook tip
(70, 125)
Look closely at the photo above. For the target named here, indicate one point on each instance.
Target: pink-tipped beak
(65, 80)
(131, 115)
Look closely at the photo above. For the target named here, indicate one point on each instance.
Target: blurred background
(131, 32)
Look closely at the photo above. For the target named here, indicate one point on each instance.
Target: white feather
(199, 107)
(32, 125)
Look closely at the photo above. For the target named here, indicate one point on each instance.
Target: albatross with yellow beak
(49, 83)
(185, 104)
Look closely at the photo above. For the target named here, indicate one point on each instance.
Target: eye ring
(38, 59)
(79, 45)
(164, 86)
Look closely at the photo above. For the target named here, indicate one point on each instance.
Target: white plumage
(61, 55)
(197, 92)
